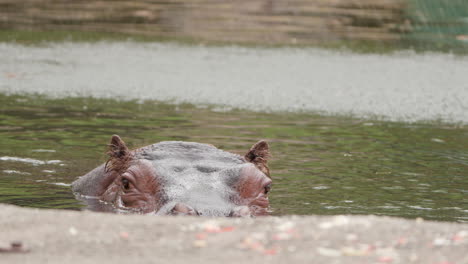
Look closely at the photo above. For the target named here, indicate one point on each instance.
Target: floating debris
(34, 162)
(321, 187)
(16, 172)
(438, 140)
(61, 184)
(43, 150)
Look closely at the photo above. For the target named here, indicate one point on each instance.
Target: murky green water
(320, 165)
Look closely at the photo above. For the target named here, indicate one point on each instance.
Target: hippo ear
(117, 148)
(258, 155)
(258, 152)
(119, 155)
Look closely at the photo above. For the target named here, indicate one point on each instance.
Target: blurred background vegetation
(359, 24)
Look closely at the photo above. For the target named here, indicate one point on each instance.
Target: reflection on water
(320, 165)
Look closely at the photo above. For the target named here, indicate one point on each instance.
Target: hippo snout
(183, 209)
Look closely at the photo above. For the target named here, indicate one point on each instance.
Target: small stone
(252, 244)
(72, 230)
(339, 220)
(201, 235)
(124, 235)
(460, 236)
(282, 236)
(361, 250)
(328, 252)
(291, 248)
(199, 243)
(402, 241)
(16, 245)
(285, 226)
(440, 241)
(270, 251)
(385, 259)
(227, 229)
(351, 237)
(256, 245)
(326, 225)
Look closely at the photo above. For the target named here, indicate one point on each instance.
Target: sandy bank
(55, 236)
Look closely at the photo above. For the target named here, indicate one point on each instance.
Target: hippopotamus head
(180, 178)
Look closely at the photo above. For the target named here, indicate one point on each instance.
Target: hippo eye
(267, 189)
(125, 183)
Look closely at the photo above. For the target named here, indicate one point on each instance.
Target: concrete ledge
(58, 236)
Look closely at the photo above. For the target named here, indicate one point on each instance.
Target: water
(350, 134)
(320, 165)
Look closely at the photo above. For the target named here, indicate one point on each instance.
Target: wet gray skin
(178, 178)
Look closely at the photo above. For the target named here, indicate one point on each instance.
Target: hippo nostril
(183, 209)
(241, 211)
